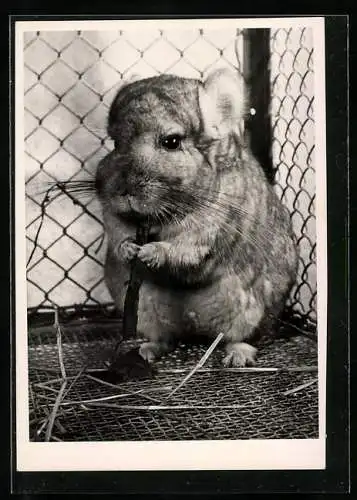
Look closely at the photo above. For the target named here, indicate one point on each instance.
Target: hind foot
(240, 355)
(151, 351)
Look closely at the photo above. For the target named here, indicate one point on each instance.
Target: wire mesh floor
(278, 399)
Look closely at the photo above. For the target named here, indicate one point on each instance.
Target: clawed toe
(240, 355)
(151, 351)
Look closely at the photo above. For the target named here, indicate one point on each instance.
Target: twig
(54, 411)
(199, 364)
(130, 314)
(145, 396)
(104, 398)
(81, 371)
(168, 407)
(300, 387)
(58, 186)
(101, 241)
(59, 344)
(43, 205)
(55, 380)
(56, 424)
(62, 187)
(295, 369)
(33, 399)
(136, 393)
(45, 387)
(140, 392)
(45, 421)
(43, 368)
(39, 431)
(104, 382)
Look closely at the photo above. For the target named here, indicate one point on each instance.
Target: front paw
(152, 255)
(127, 251)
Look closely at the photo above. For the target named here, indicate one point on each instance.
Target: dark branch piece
(130, 365)
(130, 318)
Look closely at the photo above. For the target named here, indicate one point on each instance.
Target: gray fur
(222, 256)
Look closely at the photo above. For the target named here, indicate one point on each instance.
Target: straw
(300, 387)
(59, 344)
(166, 407)
(54, 411)
(201, 362)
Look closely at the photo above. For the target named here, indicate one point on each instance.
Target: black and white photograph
(171, 276)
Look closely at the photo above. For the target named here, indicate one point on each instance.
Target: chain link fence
(70, 81)
(275, 400)
(292, 111)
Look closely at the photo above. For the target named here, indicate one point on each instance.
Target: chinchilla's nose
(126, 183)
(115, 175)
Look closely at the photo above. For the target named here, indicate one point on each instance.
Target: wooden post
(256, 68)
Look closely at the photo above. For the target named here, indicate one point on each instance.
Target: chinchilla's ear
(221, 102)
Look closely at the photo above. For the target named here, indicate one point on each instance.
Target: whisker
(231, 208)
(227, 253)
(220, 214)
(191, 207)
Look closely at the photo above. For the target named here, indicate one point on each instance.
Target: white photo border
(282, 454)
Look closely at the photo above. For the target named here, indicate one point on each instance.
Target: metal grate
(70, 81)
(214, 404)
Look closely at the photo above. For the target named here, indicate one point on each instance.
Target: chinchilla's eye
(172, 141)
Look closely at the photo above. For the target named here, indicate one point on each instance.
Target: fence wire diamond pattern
(70, 79)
